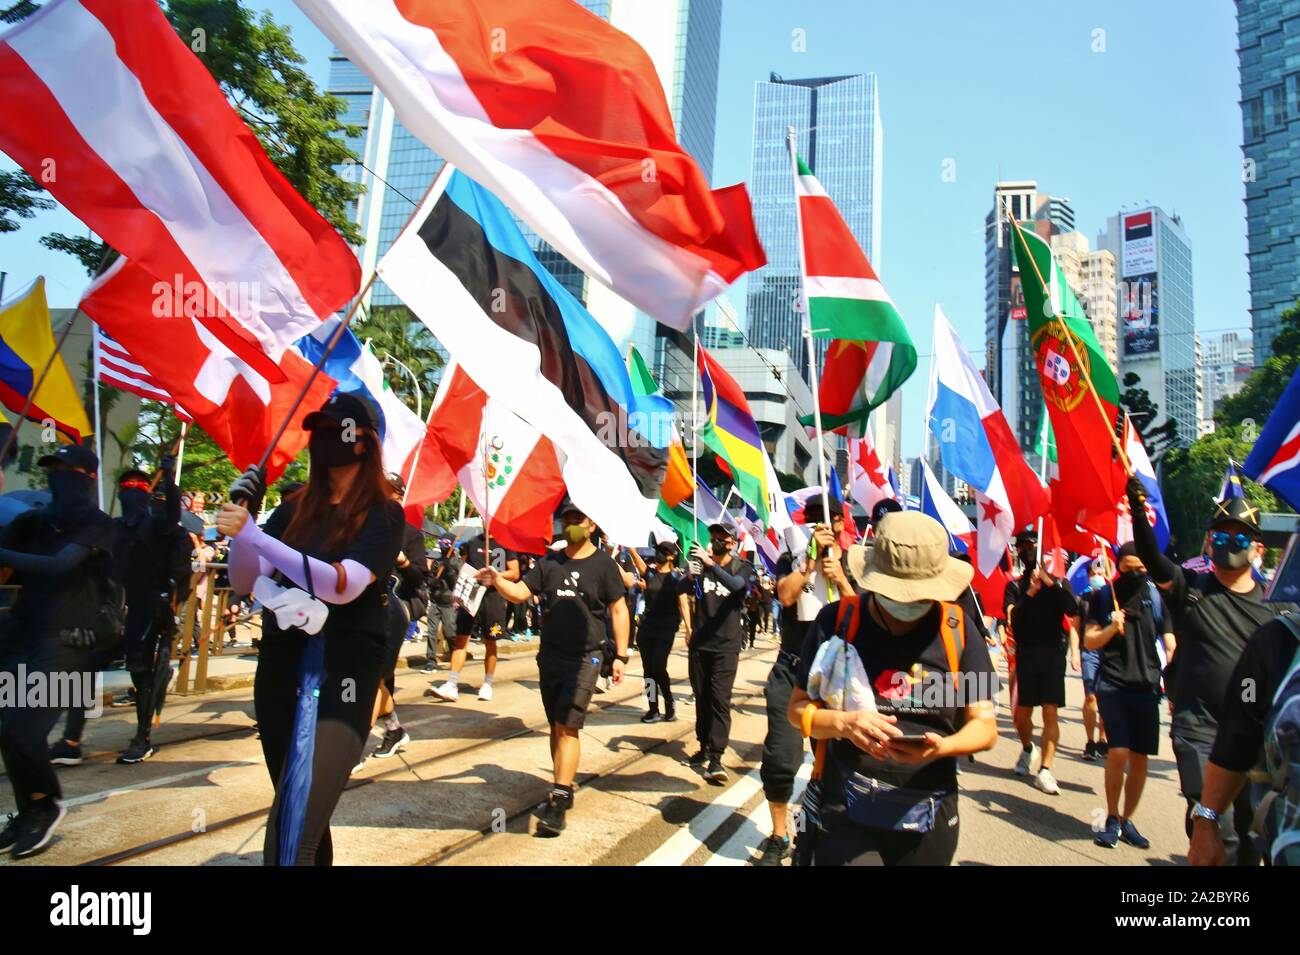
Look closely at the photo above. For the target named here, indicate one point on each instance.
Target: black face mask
(1128, 584)
(329, 450)
(719, 548)
(1225, 557)
(72, 492)
(135, 503)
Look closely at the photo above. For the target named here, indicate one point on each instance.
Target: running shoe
(1108, 838)
(1103, 749)
(670, 717)
(138, 751)
(1046, 782)
(37, 827)
(485, 693)
(64, 753)
(359, 766)
(1025, 761)
(448, 692)
(1090, 752)
(392, 743)
(9, 835)
(124, 699)
(715, 773)
(774, 851)
(430, 667)
(550, 816)
(652, 717)
(1129, 833)
(698, 759)
(688, 700)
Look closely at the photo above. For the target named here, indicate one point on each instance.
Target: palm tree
(395, 334)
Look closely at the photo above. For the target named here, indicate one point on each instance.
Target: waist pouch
(875, 805)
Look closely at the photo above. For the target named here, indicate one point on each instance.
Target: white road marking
(681, 844)
(154, 783)
(741, 848)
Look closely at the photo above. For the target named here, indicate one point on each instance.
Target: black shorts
(488, 624)
(1040, 677)
(567, 684)
(1132, 719)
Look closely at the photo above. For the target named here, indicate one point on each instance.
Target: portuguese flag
(1079, 388)
(871, 354)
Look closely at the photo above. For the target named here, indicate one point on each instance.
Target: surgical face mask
(1097, 581)
(575, 533)
(905, 611)
(329, 450)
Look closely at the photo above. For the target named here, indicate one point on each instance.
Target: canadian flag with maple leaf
(868, 478)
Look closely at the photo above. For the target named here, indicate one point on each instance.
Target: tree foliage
(20, 198)
(1143, 412)
(394, 332)
(1262, 390)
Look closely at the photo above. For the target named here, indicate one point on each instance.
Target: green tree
(20, 198)
(1262, 390)
(395, 334)
(1143, 412)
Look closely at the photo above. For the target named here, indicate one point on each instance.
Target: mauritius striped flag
(1080, 390)
(466, 270)
(731, 433)
(871, 354)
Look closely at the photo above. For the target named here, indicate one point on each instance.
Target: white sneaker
(1047, 782)
(359, 766)
(448, 691)
(1035, 761)
(1022, 764)
(485, 692)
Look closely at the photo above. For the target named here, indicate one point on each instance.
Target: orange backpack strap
(952, 628)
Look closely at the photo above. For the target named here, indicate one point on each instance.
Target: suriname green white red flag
(871, 353)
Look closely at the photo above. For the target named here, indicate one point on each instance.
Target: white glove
(292, 607)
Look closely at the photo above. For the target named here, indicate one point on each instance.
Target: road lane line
(743, 844)
(682, 844)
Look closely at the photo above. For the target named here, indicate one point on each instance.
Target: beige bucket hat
(909, 560)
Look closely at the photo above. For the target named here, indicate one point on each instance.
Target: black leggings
(655, 649)
(354, 667)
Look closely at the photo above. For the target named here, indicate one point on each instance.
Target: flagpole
(695, 437)
(180, 452)
(99, 422)
(1069, 337)
(487, 532)
(807, 327)
(1042, 476)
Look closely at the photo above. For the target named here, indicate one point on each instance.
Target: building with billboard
(1157, 326)
(1268, 54)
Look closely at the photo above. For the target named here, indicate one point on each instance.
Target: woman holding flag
(320, 664)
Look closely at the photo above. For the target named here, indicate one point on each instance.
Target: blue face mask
(1097, 581)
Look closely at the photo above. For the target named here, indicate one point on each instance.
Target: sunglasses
(1239, 540)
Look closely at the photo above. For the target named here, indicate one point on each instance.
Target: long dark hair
(312, 507)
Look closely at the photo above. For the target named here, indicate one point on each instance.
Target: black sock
(563, 795)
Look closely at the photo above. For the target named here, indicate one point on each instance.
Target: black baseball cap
(1027, 536)
(73, 456)
(134, 474)
(567, 506)
(886, 505)
(1236, 510)
(343, 407)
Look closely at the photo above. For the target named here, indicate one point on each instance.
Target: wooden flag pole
(1078, 360)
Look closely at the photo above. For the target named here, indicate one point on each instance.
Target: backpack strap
(850, 609)
(952, 628)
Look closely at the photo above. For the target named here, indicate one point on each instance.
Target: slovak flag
(977, 447)
(1276, 454)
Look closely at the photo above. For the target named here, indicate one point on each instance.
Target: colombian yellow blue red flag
(26, 344)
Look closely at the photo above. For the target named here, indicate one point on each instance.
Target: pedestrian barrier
(202, 627)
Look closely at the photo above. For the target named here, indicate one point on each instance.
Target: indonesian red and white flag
(233, 402)
(115, 367)
(564, 118)
(868, 479)
(105, 106)
(511, 472)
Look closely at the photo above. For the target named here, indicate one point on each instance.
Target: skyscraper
(1009, 361)
(839, 134)
(1157, 316)
(1268, 52)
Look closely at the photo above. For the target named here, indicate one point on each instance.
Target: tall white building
(1226, 363)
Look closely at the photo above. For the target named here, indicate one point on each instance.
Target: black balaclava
(329, 450)
(72, 492)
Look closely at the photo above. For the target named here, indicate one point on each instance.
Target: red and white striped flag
(562, 116)
(511, 471)
(115, 367)
(104, 105)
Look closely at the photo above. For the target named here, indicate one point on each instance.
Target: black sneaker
(698, 759)
(9, 835)
(1129, 833)
(550, 816)
(670, 716)
(774, 851)
(652, 717)
(138, 751)
(392, 743)
(715, 773)
(1090, 752)
(124, 699)
(1103, 749)
(37, 827)
(64, 753)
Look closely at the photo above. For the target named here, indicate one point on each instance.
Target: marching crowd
(885, 665)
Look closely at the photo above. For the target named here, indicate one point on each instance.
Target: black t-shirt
(718, 607)
(443, 572)
(1130, 661)
(662, 612)
(912, 680)
(412, 580)
(1243, 714)
(375, 547)
(1212, 624)
(493, 603)
(144, 554)
(48, 603)
(1038, 621)
(576, 594)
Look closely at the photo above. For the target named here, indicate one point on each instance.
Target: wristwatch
(623, 659)
(1204, 812)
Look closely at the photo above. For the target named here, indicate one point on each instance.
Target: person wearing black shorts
(1128, 687)
(1043, 616)
(488, 625)
(580, 587)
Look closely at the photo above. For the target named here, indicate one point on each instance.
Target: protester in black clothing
(61, 556)
(715, 644)
(336, 538)
(581, 587)
(801, 589)
(1042, 613)
(444, 569)
(1213, 614)
(1242, 721)
(931, 679)
(1128, 686)
(488, 625)
(666, 607)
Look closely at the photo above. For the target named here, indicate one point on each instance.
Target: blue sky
(1006, 89)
